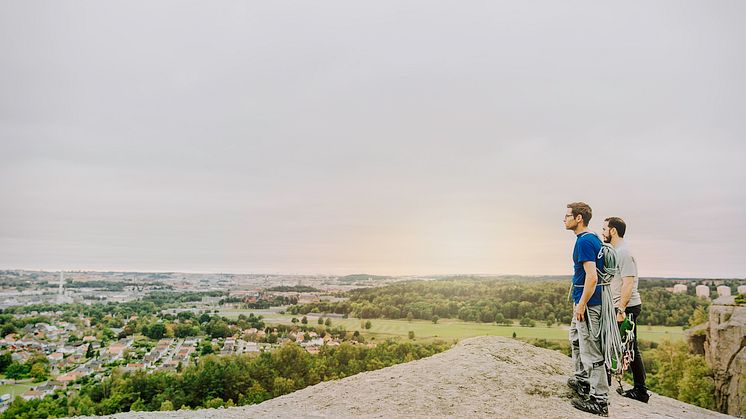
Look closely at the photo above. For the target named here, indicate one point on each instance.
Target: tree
(294, 320)
(155, 331)
(205, 348)
(89, 351)
(16, 370)
(410, 316)
(698, 317)
(320, 320)
(138, 406)
(304, 320)
(166, 405)
(218, 329)
(328, 322)
(435, 319)
(39, 372)
(527, 322)
(368, 324)
(5, 360)
(411, 334)
(677, 373)
(7, 329)
(282, 386)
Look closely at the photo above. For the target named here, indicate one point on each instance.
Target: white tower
(679, 289)
(61, 290)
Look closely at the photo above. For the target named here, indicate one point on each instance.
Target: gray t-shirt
(627, 267)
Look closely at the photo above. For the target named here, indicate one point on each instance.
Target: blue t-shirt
(587, 248)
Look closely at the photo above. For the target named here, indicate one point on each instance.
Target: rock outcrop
(490, 377)
(725, 353)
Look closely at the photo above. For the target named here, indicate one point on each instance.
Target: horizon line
(338, 275)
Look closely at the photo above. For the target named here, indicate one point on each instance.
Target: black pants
(637, 367)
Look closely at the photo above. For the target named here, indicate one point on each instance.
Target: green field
(16, 389)
(449, 329)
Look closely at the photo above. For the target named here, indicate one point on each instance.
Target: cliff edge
(480, 377)
(725, 352)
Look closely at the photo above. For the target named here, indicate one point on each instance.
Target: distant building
(32, 394)
(723, 291)
(69, 377)
(742, 289)
(679, 289)
(55, 357)
(61, 297)
(703, 291)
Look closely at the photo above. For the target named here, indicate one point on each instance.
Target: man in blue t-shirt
(589, 380)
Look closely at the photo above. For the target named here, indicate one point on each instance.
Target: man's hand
(580, 311)
(620, 316)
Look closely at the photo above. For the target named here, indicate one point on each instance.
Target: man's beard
(606, 239)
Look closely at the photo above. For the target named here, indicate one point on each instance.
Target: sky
(386, 137)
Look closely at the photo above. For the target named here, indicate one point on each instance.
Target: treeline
(661, 307)
(264, 302)
(294, 288)
(673, 371)
(103, 316)
(151, 303)
(37, 367)
(9, 324)
(490, 300)
(111, 285)
(221, 381)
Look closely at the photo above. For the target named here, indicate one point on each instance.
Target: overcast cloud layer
(392, 137)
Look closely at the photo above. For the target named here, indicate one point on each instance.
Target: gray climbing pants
(587, 357)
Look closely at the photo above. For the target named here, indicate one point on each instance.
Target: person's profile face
(606, 233)
(570, 221)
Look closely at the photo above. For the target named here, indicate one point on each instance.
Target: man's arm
(591, 279)
(627, 283)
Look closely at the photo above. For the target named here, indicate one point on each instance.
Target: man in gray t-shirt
(625, 280)
(626, 298)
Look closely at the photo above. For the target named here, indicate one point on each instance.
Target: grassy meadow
(450, 329)
(16, 389)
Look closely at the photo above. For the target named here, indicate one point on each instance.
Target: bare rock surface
(490, 377)
(725, 352)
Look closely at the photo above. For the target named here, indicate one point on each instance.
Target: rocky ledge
(480, 377)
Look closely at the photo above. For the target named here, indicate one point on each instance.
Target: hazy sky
(388, 137)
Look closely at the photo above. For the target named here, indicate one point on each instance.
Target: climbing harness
(627, 330)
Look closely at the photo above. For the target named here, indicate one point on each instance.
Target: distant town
(57, 350)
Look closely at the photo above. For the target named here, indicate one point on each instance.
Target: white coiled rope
(608, 333)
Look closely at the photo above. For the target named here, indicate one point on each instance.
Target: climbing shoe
(639, 394)
(582, 388)
(591, 405)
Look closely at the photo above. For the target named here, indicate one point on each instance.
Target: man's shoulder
(591, 238)
(623, 251)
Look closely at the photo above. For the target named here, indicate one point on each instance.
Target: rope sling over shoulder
(618, 352)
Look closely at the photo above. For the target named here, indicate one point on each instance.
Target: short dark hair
(618, 224)
(582, 209)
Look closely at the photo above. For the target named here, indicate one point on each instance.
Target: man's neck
(617, 241)
(580, 229)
